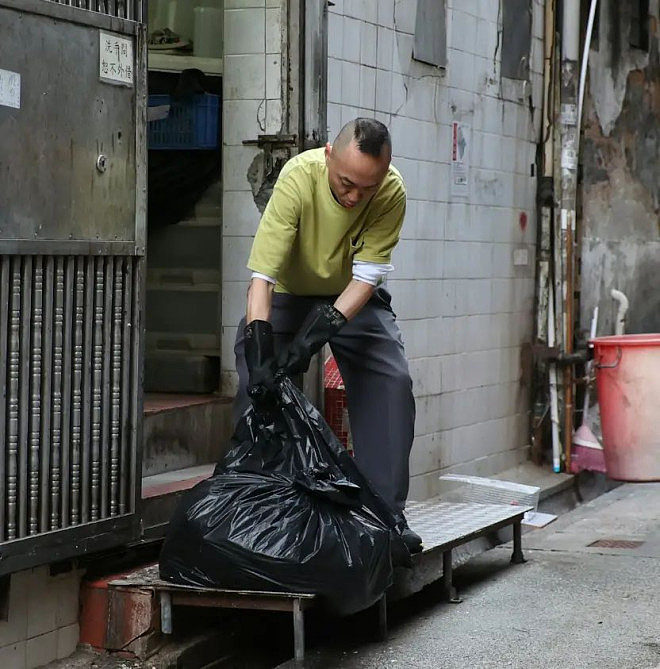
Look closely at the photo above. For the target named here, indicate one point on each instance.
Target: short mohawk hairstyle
(370, 135)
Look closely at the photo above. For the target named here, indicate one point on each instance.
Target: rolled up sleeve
(379, 238)
(277, 229)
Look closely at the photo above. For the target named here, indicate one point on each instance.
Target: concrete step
(559, 492)
(182, 431)
(184, 438)
(161, 495)
(181, 371)
(168, 483)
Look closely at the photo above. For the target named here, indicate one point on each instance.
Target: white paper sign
(459, 163)
(10, 89)
(116, 59)
(569, 158)
(568, 114)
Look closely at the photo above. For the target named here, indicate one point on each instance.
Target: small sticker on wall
(10, 89)
(569, 159)
(116, 64)
(459, 160)
(568, 114)
(521, 257)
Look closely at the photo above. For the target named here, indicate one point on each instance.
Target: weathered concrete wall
(621, 177)
(611, 62)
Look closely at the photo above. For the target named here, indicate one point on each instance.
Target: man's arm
(353, 298)
(321, 324)
(259, 300)
(372, 263)
(272, 244)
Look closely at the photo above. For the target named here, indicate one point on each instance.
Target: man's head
(358, 160)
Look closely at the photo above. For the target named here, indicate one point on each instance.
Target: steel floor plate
(440, 523)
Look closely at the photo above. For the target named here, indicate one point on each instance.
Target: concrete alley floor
(571, 606)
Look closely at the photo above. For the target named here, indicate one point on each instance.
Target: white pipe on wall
(554, 400)
(570, 29)
(620, 324)
(585, 63)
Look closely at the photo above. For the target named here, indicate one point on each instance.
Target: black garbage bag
(287, 510)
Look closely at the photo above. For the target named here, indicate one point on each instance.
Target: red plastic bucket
(628, 381)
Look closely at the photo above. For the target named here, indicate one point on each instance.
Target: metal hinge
(267, 142)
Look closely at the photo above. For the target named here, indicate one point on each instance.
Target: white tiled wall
(463, 307)
(251, 106)
(42, 624)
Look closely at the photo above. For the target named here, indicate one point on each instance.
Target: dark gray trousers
(381, 407)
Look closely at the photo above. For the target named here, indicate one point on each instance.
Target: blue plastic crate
(191, 123)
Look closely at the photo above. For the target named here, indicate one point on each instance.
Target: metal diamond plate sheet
(440, 523)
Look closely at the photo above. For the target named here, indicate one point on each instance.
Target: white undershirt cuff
(371, 272)
(265, 277)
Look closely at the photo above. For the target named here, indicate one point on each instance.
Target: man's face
(354, 175)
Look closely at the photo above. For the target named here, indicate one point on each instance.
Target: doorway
(183, 317)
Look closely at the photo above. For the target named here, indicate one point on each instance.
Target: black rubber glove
(260, 359)
(322, 323)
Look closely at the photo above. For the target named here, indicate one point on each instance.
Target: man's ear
(328, 149)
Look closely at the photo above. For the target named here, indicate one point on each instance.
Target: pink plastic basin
(628, 381)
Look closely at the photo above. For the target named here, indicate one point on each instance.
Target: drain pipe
(569, 169)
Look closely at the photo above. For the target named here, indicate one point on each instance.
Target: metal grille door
(126, 9)
(66, 342)
(72, 230)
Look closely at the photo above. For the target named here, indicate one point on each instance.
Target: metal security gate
(72, 243)
(126, 9)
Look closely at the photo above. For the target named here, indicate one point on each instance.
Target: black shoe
(412, 540)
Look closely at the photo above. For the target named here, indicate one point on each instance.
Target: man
(320, 254)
